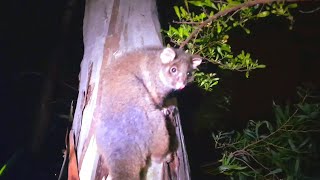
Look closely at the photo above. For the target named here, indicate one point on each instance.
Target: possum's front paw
(168, 110)
(165, 111)
(169, 158)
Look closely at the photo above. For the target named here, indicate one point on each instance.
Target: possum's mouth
(180, 85)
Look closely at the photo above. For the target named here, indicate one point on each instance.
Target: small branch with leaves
(227, 11)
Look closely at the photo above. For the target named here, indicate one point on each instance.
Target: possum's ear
(196, 61)
(167, 55)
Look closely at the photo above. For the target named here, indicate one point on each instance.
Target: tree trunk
(111, 28)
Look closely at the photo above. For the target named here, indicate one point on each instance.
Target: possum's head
(177, 67)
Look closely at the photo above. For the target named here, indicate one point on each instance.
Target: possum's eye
(189, 74)
(173, 70)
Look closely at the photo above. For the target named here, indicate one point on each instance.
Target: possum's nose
(181, 82)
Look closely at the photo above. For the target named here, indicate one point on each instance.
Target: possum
(131, 129)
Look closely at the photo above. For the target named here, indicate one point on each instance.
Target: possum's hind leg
(159, 147)
(126, 163)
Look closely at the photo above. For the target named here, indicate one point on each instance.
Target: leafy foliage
(284, 149)
(206, 81)
(214, 25)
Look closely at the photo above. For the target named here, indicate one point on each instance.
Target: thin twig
(304, 131)
(185, 22)
(246, 164)
(310, 11)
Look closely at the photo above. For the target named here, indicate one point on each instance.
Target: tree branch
(226, 11)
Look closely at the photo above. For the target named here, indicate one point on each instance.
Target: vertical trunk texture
(111, 28)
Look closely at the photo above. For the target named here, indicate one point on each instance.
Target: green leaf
(293, 5)
(225, 47)
(176, 9)
(197, 3)
(297, 166)
(202, 16)
(208, 3)
(230, 167)
(232, 3)
(249, 133)
(186, 4)
(292, 146)
(304, 142)
(276, 171)
(247, 30)
(214, 6)
(219, 50)
(263, 14)
(216, 82)
(218, 27)
(184, 13)
(280, 114)
(172, 31)
(247, 74)
(261, 66)
(2, 169)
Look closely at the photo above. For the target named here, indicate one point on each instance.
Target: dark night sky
(30, 33)
(30, 37)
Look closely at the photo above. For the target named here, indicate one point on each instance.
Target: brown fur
(131, 128)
